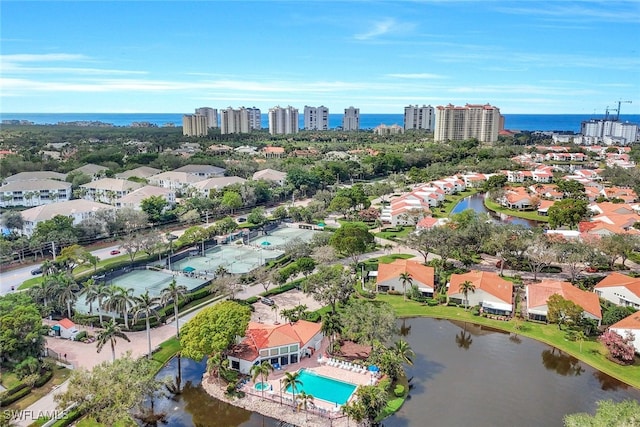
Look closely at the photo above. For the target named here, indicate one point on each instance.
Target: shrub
(620, 349)
(432, 302)
(10, 398)
(82, 335)
(28, 366)
(43, 379)
(394, 292)
(399, 390)
(452, 304)
(252, 300)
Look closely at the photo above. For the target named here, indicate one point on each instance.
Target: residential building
(194, 125)
(620, 289)
(211, 115)
(316, 118)
(177, 181)
(389, 277)
(471, 121)
(34, 192)
(271, 152)
(388, 130)
(234, 121)
(419, 118)
(351, 119)
(28, 176)
(255, 118)
(491, 292)
(629, 325)
(537, 297)
(282, 345)
(78, 210)
(139, 172)
(108, 190)
(202, 171)
(271, 175)
(134, 199)
(92, 171)
(283, 121)
(609, 132)
(205, 186)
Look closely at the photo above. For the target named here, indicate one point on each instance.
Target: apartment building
(34, 192)
(316, 118)
(211, 114)
(108, 190)
(255, 118)
(283, 121)
(234, 121)
(194, 125)
(454, 123)
(420, 118)
(351, 119)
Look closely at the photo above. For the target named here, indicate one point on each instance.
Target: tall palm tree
(304, 400)
(109, 334)
(146, 305)
(262, 370)
(120, 301)
(405, 279)
(331, 326)
(102, 297)
(465, 288)
(292, 380)
(403, 350)
(49, 268)
(91, 292)
(173, 292)
(68, 290)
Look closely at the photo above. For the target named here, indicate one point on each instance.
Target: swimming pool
(324, 388)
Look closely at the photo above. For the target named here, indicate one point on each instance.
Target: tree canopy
(21, 331)
(352, 239)
(608, 414)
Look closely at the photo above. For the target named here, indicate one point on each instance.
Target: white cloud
(381, 28)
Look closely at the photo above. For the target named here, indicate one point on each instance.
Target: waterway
(463, 374)
(476, 202)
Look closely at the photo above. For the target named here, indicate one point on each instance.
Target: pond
(476, 202)
(463, 374)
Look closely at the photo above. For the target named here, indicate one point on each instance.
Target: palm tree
(465, 288)
(146, 305)
(262, 370)
(49, 268)
(405, 278)
(293, 381)
(91, 292)
(331, 326)
(221, 271)
(218, 364)
(275, 308)
(103, 294)
(109, 334)
(68, 289)
(304, 400)
(173, 292)
(119, 301)
(403, 350)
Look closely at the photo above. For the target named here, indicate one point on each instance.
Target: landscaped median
(592, 353)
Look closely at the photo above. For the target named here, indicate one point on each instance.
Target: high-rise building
(194, 125)
(255, 118)
(234, 121)
(316, 118)
(471, 121)
(283, 120)
(351, 119)
(610, 131)
(211, 114)
(419, 118)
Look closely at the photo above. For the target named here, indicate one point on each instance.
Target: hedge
(399, 390)
(44, 378)
(9, 399)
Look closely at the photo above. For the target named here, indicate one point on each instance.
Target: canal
(476, 202)
(463, 374)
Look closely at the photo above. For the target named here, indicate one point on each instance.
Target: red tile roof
(629, 322)
(539, 293)
(419, 273)
(487, 281)
(618, 279)
(66, 323)
(261, 336)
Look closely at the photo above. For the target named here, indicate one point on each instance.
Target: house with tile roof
(271, 152)
(519, 198)
(388, 278)
(282, 344)
(620, 289)
(78, 210)
(537, 296)
(629, 325)
(493, 293)
(65, 328)
(270, 175)
(92, 171)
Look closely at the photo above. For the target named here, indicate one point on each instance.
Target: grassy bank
(495, 207)
(450, 202)
(592, 352)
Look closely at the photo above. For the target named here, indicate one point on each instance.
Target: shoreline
(270, 409)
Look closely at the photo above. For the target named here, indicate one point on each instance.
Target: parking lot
(266, 314)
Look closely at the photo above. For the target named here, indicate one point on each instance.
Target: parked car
(115, 252)
(36, 271)
(268, 301)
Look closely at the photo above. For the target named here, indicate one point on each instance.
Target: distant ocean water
(530, 122)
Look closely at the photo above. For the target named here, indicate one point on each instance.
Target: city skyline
(169, 57)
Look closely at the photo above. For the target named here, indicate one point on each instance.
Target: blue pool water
(262, 386)
(324, 388)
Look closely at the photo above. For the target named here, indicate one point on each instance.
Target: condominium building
(283, 121)
(419, 118)
(610, 132)
(234, 121)
(316, 118)
(471, 121)
(194, 125)
(388, 130)
(255, 118)
(211, 114)
(351, 119)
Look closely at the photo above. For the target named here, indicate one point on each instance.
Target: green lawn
(394, 235)
(593, 353)
(532, 215)
(388, 259)
(167, 350)
(450, 202)
(60, 375)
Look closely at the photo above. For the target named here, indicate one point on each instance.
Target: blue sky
(170, 57)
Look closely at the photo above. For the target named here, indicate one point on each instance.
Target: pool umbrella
(321, 224)
(265, 243)
(373, 368)
(188, 269)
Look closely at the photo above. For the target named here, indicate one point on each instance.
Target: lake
(463, 374)
(476, 202)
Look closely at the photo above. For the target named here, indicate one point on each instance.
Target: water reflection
(561, 363)
(404, 329)
(464, 340)
(609, 383)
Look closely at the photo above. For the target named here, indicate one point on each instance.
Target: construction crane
(618, 110)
